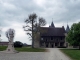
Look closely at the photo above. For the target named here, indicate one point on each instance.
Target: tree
(33, 25)
(18, 44)
(73, 36)
(0, 33)
(25, 44)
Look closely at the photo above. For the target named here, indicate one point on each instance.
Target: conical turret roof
(67, 29)
(52, 24)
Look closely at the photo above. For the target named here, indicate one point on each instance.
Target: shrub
(62, 47)
(18, 44)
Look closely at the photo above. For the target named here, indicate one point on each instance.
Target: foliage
(72, 53)
(18, 44)
(24, 44)
(73, 36)
(36, 24)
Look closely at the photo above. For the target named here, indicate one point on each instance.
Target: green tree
(73, 36)
(33, 25)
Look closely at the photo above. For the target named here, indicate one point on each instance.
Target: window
(42, 44)
(51, 38)
(61, 38)
(41, 38)
(46, 39)
(57, 39)
(56, 44)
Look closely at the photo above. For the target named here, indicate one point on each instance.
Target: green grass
(25, 49)
(3, 48)
(74, 54)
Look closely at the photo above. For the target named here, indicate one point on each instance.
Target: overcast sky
(14, 12)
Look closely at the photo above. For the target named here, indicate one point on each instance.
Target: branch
(28, 30)
(42, 21)
(29, 34)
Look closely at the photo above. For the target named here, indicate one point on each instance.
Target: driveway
(56, 54)
(53, 54)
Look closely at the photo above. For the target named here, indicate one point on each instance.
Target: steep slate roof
(53, 31)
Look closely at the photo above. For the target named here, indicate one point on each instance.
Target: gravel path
(24, 56)
(56, 54)
(53, 54)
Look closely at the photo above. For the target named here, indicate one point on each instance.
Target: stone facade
(52, 42)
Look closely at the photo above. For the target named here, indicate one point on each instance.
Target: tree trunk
(79, 47)
(32, 36)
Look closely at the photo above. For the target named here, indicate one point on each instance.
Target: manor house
(53, 36)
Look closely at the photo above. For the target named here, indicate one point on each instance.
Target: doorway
(46, 45)
(52, 45)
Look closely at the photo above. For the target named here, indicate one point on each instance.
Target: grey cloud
(73, 9)
(59, 10)
(23, 8)
(65, 10)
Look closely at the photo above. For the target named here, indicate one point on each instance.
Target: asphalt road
(53, 54)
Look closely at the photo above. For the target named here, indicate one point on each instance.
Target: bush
(62, 47)
(24, 44)
(18, 44)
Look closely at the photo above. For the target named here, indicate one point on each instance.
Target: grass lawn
(74, 54)
(25, 49)
(2, 48)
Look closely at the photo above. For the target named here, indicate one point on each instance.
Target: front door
(52, 45)
(46, 45)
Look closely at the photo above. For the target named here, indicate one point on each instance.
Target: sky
(13, 13)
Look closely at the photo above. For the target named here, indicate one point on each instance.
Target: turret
(52, 24)
(67, 29)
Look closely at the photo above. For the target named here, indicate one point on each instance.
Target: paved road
(53, 54)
